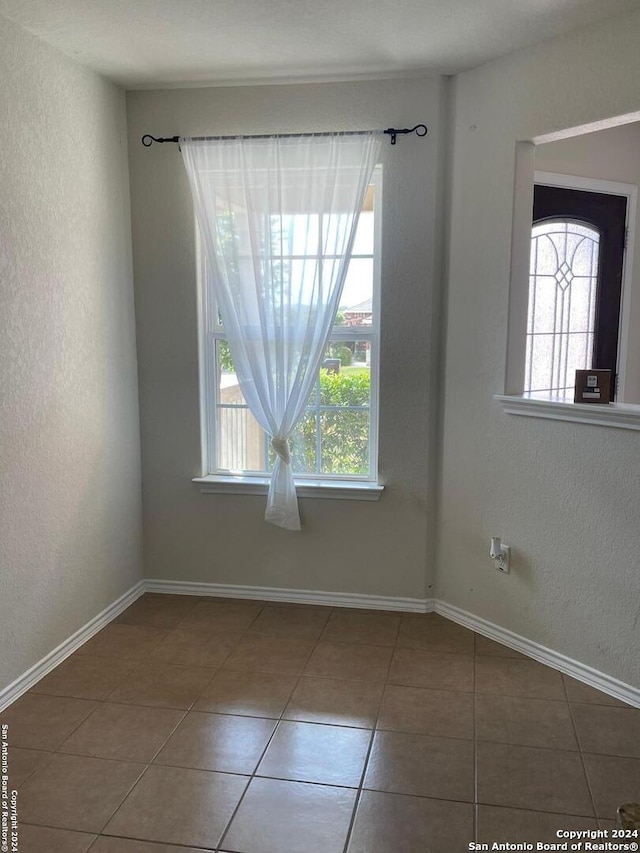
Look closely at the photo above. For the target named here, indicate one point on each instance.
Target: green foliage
(344, 435)
(345, 389)
(342, 352)
(224, 357)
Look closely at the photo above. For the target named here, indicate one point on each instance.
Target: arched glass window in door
(561, 323)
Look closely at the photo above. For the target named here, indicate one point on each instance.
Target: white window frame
(513, 400)
(353, 487)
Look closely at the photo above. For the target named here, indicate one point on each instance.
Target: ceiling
(149, 43)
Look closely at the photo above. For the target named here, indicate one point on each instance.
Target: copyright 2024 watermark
(8, 799)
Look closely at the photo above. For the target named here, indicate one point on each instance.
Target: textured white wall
(376, 548)
(611, 155)
(69, 453)
(565, 496)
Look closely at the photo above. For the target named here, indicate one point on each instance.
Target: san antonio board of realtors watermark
(8, 799)
(583, 840)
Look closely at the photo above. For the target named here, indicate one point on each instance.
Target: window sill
(350, 490)
(617, 415)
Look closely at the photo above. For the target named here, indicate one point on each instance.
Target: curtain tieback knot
(281, 447)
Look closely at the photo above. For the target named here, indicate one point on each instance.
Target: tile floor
(250, 727)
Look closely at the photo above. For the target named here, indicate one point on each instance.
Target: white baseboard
(26, 681)
(292, 596)
(580, 671)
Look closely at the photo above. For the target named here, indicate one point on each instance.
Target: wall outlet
(500, 554)
(503, 560)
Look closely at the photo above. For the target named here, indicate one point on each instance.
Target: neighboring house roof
(360, 308)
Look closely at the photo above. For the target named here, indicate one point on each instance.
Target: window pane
(335, 230)
(344, 402)
(542, 304)
(241, 441)
(356, 302)
(344, 442)
(346, 386)
(562, 298)
(240, 444)
(229, 391)
(294, 234)
(363, 243)
(303, 446)
(539, 362)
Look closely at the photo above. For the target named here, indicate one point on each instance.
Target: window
(554, 326)
(575, 280)
(337, 437)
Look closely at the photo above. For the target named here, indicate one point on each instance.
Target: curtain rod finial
(419, 130)
(148, 140)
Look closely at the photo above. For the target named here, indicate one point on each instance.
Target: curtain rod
(420, 130)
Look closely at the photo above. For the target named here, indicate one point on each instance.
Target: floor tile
(387, 822)
(298, 622)
(308, 752)
(291, 817)
(435, 635)
(217, 742)
(498, 824)
(123, 732)
(349, 660)
(374, 629)
(197, 686)
(105, 844)
(74, 792)
(22, 763)
(421, 765)
(221, 617)
(162, 611)
(446, 713)
(527, 722)
(37, 721)
(335, 701)
(178, 806)
(195, 648)
(529, 778)
(611, 731)
(579, 692)
(613, 781)
(163, 685)
(485, 646)
(283, 655)
(436, 670)
(509, 677)
(43, 839)
(128, 642)
(84, 677)
(254, 694)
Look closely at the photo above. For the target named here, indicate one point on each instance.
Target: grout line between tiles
(138, 778)
(34, 769)
(264, 751)
(365, 765)
(579, 745)
(145, 841)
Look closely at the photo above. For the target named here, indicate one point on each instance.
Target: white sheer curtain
(277, 217)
